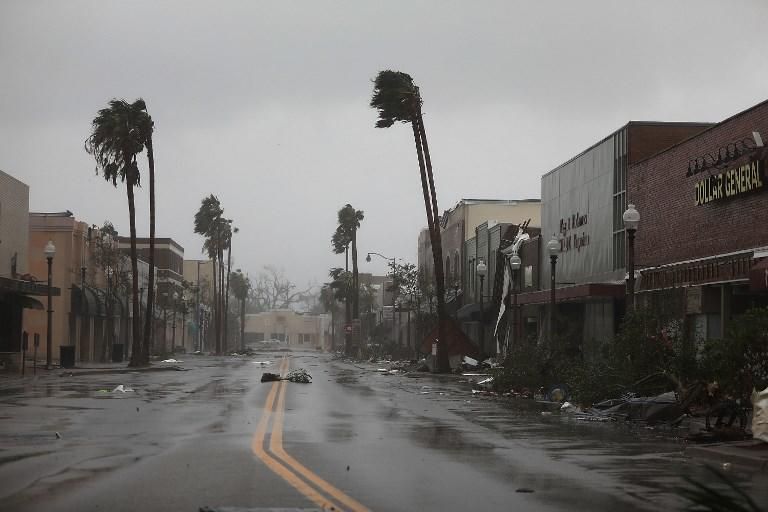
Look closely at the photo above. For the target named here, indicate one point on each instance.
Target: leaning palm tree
(397, 99)
(118, 134)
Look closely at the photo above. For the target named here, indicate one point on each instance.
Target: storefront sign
(569, 241)
(731, 183)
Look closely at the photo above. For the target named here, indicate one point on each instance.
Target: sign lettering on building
(570, 241)
(730, 183)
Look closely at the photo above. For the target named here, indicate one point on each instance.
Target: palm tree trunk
(137, 352)
(151, 280)
(215, 302)
(443, 363)
(433, 214)
(355, 283)
(226, 296)
(242, 324)
(347, 305)
(222, 313)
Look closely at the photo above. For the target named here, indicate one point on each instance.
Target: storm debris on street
(299, 375)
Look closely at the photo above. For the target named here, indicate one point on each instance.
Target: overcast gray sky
(265, 104)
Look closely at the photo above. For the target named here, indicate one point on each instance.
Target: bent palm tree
(117, 136)
(397, 99)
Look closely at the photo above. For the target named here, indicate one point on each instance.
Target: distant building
(199, 275)
(459, 223)
(169, 265)
(288, 326)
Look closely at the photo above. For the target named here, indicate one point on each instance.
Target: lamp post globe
(49, 250)
(553, 246)
(631, 218)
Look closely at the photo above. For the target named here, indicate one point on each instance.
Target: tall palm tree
(340, 242)
(210, 223)
(118, 134)
(345, 236)
(146, 130)
(397, 99)
(226, 293)
(241, 285)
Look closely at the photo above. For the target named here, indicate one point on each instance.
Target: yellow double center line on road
(287, 467)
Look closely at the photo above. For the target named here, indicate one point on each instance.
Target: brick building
(703, 234)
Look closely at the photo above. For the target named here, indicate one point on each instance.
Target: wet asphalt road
(185, 439)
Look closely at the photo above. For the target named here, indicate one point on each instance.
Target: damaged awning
(579, 292)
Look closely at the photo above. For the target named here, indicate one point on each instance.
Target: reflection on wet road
(393, 442)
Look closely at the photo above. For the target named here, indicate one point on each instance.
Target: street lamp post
(481, 271)
(50, 252)
(553, 247)
(110, 317)
(173, 326)
(631, 220)
(514, 265)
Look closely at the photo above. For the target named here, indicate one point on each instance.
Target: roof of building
(712, 126)
(630, 123)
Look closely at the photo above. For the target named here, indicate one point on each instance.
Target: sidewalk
(87, 369)
(752, 454)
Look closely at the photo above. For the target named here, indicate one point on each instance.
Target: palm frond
(395, 97)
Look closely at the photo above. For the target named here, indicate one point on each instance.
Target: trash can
(117, 352)
(67, 356)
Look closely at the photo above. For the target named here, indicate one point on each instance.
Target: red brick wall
(647, 139)
(672, 228)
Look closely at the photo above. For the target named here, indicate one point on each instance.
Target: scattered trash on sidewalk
(171, 361)
(570, 408)
(270, 377)
(122, 389)
(486, 384)
(469, 361)
(58, 436)
(299, 375)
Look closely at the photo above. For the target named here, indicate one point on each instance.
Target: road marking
(257, 446)
(276, 447)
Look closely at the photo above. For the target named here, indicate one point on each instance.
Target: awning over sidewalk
(9, 285)
(579, 292)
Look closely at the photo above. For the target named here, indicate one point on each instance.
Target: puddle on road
(445, 438)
